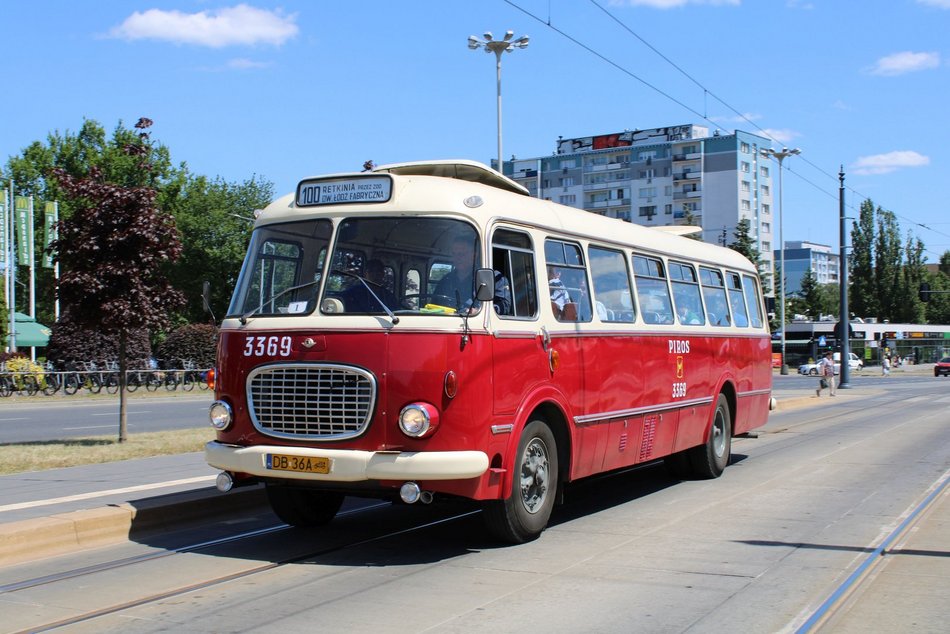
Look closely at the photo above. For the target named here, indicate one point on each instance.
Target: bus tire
(525, 513)
(710, 459)
(303, 508)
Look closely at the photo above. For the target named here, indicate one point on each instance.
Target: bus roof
(472, 189)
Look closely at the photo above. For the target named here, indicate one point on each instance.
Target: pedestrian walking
(826, 370)
(886, 366)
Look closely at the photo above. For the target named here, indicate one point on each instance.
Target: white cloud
(905, 62)
(889, 162)
(841, 105)
(241, 63)
(239, 25)
(940, 4)
(672, 4)
(782, 135)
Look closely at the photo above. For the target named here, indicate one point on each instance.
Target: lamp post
(505, 45)
(780, 156)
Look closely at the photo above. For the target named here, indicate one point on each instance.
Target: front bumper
(348, 465)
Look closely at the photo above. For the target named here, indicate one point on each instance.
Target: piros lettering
(678, 346)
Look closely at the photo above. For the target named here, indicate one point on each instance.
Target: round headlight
(220, 415)
(418, 420)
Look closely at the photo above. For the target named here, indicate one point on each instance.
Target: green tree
(745, 244)
(76, 154)
(938, 306)
(888, 257)
(215, 219)
(909, 308)
(113, 248)
(944, 265)
(862, 297)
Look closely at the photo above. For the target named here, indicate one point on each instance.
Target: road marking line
(98, 494)
(23, 418)
(147, 411)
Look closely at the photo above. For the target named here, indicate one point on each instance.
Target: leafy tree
(76, 154)
(944, 265)
(113, 248)
(909, 308)
(215, 219)
(810, 294)
(938, 306)
(862, 297)
(887, 264)
(70, 344)
(745, 244)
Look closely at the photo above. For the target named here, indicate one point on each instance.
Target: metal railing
(93, 380)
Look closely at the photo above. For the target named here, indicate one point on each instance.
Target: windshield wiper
(272, 298)
(366, 283)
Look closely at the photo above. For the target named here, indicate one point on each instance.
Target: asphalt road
(759, 549)
(42, 418)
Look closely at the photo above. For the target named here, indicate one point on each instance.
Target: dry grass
(54, 454)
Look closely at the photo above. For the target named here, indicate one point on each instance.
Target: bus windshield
(378, 266)
(282, 270)
(424, 265)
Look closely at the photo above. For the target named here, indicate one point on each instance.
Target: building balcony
(687, 176)
(687, 195)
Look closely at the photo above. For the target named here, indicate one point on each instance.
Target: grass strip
(73, 452)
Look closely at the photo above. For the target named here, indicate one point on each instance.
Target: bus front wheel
(525, 513)
(303, 507)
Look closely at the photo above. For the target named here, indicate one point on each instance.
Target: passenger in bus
(687, 315)
(457, 288)
(357, 299)
(559, 295)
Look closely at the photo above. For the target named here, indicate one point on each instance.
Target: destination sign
(336, 191)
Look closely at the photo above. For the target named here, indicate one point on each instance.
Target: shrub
(195, 343)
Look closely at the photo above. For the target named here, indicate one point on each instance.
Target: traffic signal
(924, 293)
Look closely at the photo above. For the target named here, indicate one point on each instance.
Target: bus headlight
(220, 415)
(418, 420)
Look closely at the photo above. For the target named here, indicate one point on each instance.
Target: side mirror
(484, 285)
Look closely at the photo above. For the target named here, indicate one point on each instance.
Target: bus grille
(314, 402)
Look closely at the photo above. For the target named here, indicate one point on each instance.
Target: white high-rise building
(663, 176)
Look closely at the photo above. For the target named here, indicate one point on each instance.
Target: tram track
(839, 599)
(183, 589)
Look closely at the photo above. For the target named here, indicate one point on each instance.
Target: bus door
(519, 359)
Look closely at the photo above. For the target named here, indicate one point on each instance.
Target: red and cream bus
(428, 329)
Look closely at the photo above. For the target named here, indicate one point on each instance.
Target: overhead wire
(707, 92)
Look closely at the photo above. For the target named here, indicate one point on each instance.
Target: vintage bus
(428, 329)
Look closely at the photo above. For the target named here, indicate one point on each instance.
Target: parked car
(854, 363)
(942, 367)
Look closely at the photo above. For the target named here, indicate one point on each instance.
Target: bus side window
(714, 293)
(751, 288)
(513, 258)
(736, 299)
(652, 291)
(608, 270)
(689, 307)
(567, 281)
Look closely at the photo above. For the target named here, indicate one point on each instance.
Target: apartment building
(662, 176)
(801, 256)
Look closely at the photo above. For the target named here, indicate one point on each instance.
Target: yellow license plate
(300, 464)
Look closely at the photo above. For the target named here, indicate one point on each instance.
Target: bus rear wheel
(708, 460)
(525, 513)
(303, 508)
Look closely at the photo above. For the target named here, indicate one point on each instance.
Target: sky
(282, 90)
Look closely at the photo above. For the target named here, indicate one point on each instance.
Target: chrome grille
(311, 401)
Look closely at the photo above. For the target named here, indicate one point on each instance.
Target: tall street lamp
(505, 45)
(780, 156)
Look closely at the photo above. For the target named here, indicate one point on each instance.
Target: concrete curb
(58, 534)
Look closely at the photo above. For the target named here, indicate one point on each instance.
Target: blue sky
(290, 89)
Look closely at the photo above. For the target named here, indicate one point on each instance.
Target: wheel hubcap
(719, 434)
(534, 475)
